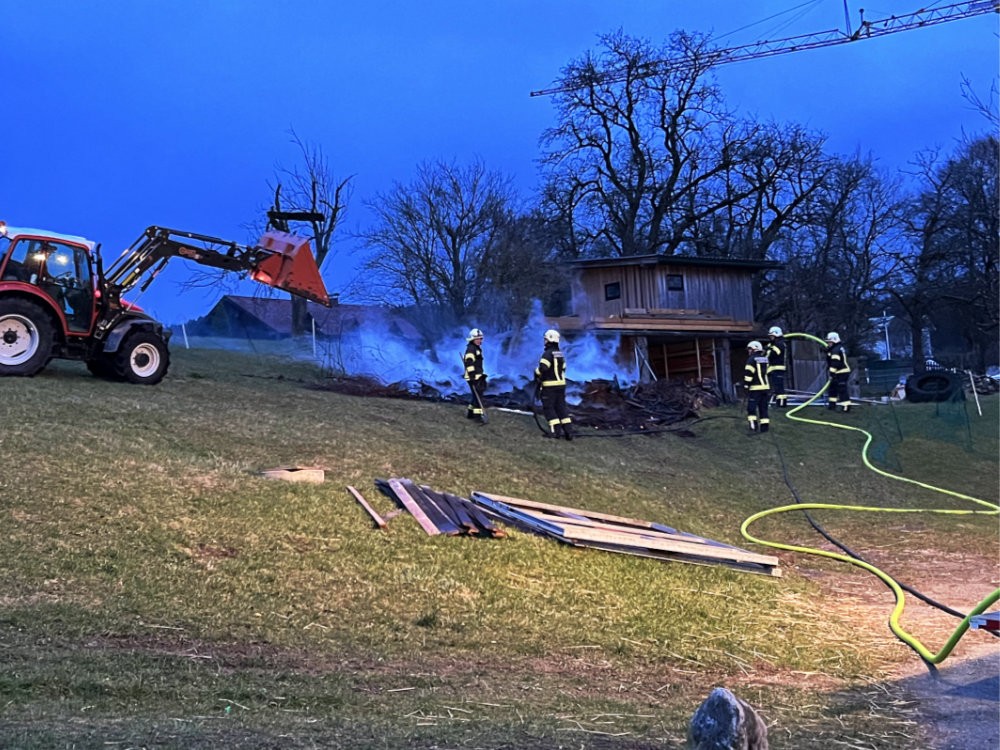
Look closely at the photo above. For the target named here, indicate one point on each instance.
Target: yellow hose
(900, 632)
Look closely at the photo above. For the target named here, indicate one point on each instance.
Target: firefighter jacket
(551, 370)
(775, 351)
(755, 372)
(836, 360)
(473, 362)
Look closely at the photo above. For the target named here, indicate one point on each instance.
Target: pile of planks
(436, 512)
(445, 513)
(584, 528)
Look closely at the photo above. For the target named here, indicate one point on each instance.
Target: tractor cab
(60, 268)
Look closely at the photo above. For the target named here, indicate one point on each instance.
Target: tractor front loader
(57, 300)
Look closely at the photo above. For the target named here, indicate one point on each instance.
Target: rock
(724, 722)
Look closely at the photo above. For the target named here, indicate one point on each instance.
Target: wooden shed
(676, 317)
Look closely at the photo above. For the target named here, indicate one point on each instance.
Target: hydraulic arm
(281, 260)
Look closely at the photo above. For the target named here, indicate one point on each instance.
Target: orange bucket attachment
(290, 266)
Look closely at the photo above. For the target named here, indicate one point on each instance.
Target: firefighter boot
(567, 432)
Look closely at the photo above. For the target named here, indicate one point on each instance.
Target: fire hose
(992, 509)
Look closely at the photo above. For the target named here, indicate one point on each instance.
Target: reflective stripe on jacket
(755, 373)
(551, 370)
(836, 360)
(776, 355)
(473, 361)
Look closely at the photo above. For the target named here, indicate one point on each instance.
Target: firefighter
(839, 371)
(550, 382)
(776, 350)
(474, 375)
(758, 389)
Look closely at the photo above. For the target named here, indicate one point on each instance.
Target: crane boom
(770, 48)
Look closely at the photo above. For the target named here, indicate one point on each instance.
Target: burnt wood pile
(984, 384)
(603, 404)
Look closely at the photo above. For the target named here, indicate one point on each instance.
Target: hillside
(158, 592)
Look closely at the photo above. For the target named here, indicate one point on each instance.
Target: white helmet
(833, 337)
(755, 346)
(552, 336)
(774, 331)
(475, 333)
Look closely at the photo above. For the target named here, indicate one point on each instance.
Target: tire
(102, 366)
(142, 359)
(26, 337)
(937, 385)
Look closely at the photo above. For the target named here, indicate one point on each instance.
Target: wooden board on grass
(617, 534)
(411, 505)
(379, 521)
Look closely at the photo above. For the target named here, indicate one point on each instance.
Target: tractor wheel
(143, 358)
(26, 337)
(102, 366)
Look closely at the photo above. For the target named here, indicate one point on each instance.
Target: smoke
(509, 358)
(385, 354)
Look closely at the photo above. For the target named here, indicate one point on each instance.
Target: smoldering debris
(601, 405)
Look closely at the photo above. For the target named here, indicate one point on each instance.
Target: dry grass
(157, 591)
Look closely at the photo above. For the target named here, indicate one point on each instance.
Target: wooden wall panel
(723, 291)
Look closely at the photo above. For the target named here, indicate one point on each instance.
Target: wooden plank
(635, 543)
(477, 515)
(441, 519)
(589, 534)
(562, 515)
(518, 517)
(635, 530)
(680, 312)
(454, 510)
(671, 324)
(411, 505)
(610, 518)
(379, 521)
(768, 570)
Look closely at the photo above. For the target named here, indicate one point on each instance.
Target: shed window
(613, 290)
(675, 282)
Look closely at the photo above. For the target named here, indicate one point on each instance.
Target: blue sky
(125, 113)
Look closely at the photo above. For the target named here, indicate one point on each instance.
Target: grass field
(155, 591)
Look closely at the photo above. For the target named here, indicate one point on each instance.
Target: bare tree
(840, 257)
(647, 159)
(988, 107)
(523, 267)
(952, 268)
(310, 201)
(435, 240)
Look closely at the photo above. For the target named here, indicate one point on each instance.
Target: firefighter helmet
(833, 337)
(774, 331)
(475, 333)
(755, 346)
(552, 336)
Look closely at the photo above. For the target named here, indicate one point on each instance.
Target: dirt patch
(956, 704)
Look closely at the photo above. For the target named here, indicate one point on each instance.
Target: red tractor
(57, 300)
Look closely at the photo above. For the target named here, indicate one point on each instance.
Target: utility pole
(884, 322)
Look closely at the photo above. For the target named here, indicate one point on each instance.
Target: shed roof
(658, 259)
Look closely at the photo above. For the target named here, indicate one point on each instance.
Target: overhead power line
(771, 48)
